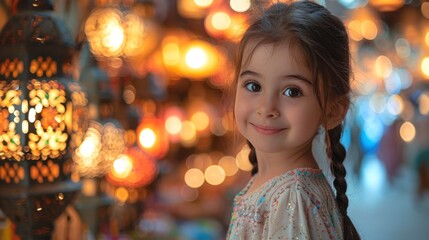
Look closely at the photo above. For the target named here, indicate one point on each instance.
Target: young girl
(292, 79)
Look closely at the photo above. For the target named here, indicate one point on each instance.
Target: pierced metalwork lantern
(43, 116)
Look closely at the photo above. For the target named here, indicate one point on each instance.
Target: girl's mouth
(266, 130)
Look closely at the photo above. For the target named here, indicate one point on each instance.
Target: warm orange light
(200, 60)
(387, 5)
(242, 159)
(229, 166)
(188, 135)
(383, 67)
(424, 103)
(424, 66)
(214, 175)
(201, 120)
(147, 138)
(122, 167)
(134, 169)
(194, 9)
(153, 139)
(173, 125)
(194, 178)
(407, 131)
(240, 5)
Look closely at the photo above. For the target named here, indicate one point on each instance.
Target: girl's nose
(268, 107)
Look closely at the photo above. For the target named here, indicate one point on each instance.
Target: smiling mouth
(266, 130)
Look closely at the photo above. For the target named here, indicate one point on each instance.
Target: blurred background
(160, 158)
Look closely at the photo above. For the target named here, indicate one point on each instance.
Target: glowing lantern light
(407, 131)
(173, 125)
(240, 5)
(424, 103)
(153, 138)
(121, 194)
(196, 57)
(113, 33)
(147, 138)
(383, 66)
(214, 175)
(122, 166)
(173, 122)
(194, 9)
(200, 60)
(201, 120)
(242, 159)
(224, 24)
(387, 5)
(188, 135)
(424, 66)
(229, 166)
(43, 118)
(101, 146)
(133, 169)
(172, 50)
(194, 178)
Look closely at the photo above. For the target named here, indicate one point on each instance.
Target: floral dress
(298, 204)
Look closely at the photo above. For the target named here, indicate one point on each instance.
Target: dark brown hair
(323, 41)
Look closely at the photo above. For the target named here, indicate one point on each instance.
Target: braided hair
(322, 39)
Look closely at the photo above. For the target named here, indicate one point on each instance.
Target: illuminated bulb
(121, 194)
(383, 66)
(407, 131)
(87, 148)
(242, 159)
(424, 103)
(122, 166)
(221, 21)
(188, 135)
(354, 30)
(203, 3)
(425, 66)
(228, 164)
(239, 5)
(196, 57)
(201, 120)
(194, 178)
(369, 29)
(171, 53)
(173, 125)
(214, 175)
(147, 138)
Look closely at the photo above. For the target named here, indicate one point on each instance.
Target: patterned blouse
(298, 204)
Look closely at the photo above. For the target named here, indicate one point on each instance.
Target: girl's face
(275, 105)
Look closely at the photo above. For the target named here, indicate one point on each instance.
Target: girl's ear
(336, 112)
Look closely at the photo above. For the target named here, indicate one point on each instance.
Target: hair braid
(337, 154)
(252, 158)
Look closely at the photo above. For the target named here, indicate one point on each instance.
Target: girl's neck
(271, 165)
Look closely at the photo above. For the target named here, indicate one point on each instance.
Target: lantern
(43, 116)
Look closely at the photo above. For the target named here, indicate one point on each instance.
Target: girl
(292, 79)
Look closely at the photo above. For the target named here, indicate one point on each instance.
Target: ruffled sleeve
(297, 214)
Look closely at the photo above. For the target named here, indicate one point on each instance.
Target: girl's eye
(253, 87)
(292, 92)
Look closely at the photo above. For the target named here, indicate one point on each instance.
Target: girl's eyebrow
(295, 76)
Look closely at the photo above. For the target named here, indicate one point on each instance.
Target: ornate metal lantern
(43, 117)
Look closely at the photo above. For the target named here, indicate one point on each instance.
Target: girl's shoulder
(302, 183)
